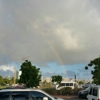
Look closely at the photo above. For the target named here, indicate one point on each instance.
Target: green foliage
(86, 67)
(51, 91)
(30, 74)
(6, 81)
(63, 91)
(80, 82)
(45, 84)
(96, 71)
(3, 87)
(66, 91)
(57, 78)
(1, 80)
(11, 81)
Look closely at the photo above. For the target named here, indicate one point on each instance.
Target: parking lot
(71, 97)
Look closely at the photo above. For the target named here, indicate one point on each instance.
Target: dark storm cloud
(49, 31)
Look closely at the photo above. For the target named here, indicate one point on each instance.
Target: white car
(25, 94)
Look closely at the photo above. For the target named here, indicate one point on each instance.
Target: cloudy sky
(59, 36)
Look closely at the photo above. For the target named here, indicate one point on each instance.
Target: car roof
(28, 89)
(98, 86)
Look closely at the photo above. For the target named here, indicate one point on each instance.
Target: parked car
(94, 93)
(83, 93)
(25, 94)
(88, 85)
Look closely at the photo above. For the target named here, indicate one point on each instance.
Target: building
(19, 73)
(48, 80)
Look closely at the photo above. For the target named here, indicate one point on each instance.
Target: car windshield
(87, 88)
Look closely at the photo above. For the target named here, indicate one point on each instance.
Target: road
(71, 98)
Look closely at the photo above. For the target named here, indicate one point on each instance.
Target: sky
(59, 36)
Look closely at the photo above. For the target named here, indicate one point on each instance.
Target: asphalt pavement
(70, 97)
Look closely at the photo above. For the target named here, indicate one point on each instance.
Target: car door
(36, 95)
(89, 96)
(95, 94)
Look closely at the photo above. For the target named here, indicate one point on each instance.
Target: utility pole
(75, 77)
(14, 76)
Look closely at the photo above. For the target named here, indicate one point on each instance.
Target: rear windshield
(4, 95)
(20, 95)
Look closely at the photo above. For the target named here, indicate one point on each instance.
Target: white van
(94, 93)
(70, 84)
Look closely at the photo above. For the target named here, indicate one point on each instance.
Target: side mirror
(45, 98)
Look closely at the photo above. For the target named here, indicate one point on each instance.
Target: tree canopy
(4, 81)
(1, 80)
(96, 70)
(30, 74)
(80, 82)
(57, 78)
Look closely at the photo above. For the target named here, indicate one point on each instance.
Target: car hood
(59, 99)
(83, 91)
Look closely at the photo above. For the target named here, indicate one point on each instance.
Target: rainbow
(55, 51)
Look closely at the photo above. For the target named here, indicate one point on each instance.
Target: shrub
(76, 90)
(51, 91)
(63, 91)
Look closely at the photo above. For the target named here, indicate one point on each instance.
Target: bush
(51, 91)
(63, 91)
(76, 90)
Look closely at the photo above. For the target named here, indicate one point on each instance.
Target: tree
(30, 74)
(57, 78)
(1, 80)
(96, 71)
(80, 82)
(6, 81)
(11, 81)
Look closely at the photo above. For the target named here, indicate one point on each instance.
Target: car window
(95, 91)
(71, 84)
(67, 84)
(87, 88)
(62, 84)
(20, 95)
(4, 95)
(38, 95)
(90, 92)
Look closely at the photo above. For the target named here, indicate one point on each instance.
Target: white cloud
(66, 36)
(6, 68)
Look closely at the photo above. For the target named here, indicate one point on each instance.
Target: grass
(2, 87)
